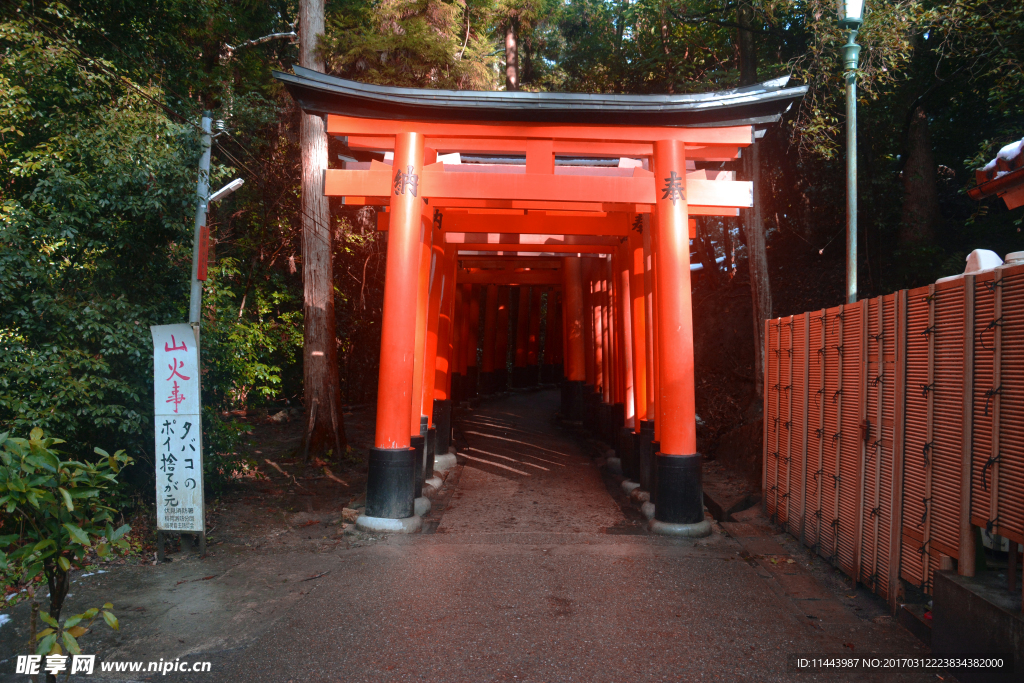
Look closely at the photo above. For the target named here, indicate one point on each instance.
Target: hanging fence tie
(838, 316)
(836, 437)
(775, 387)
(839, 349)
(925, 388)
(991, 394)
(878, 337)
(816, 394)
(820, 433)
(774, 454)
(817, 513)
(990, 525)
(775, 423)
(787, 388)
(998, 322)
(778, 353)
(928, 330)
(821, 351)
(787, 459)
(878, 380)
(991, 285)
(923, 549)
(835, 396)
(926, 502)
(924, 451)
(875, 512)
(788, 425)
(984, 470)
(836, 479)
(790, 351)
(821, 471)
(785, 495)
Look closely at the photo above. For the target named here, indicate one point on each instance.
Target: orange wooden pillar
(624, 367)
(420, 423)
(437, 277)
(643, 427)
(490, 340)
(391, 479)
(473, 343)
(591, 390)
(501, 341)
(522, 338)
(547, 368)
(679, 506)
(442, 409)
(533, 339)
(558, 340)
(458, 337)
(573, 327)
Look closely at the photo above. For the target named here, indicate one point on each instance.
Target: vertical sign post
(179, 433)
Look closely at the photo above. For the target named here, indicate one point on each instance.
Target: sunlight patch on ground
(505, 457)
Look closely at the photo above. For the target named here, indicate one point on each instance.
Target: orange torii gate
(584, 201)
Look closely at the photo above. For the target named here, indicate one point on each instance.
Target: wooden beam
(616, 224)
(515, 239)
(740, 136)
(508, 277)
(533, 262)
(536, 187)
(518, 249)
(564, 148)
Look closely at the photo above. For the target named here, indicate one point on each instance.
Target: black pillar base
(618, 417)
(431, 449)
(418, 444)
(643, 456)
(518, 377)
(624, 449)
(532, 375)
(486, 383)
(591, 404)
(604, 423)
(501, 380)
(547, 374)
(391, 483)
(456, 387)
(443, 425)
(572, 401)
(558, 373)
(680, 493)
(470, 383)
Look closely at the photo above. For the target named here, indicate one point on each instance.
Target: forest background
(99, 106)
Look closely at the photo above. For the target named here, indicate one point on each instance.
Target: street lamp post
(850, 18)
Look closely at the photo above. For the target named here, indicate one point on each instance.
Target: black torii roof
(320, 94)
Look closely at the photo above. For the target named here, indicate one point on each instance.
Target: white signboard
(179, 433)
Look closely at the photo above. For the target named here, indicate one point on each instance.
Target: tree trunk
(753, 223)
(920, 196)
(322, 395)
(706, 253)
(511, 56)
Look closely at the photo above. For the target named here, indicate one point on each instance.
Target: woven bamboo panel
(987, 335)
(851, 439)
(797, 430)
(771, 417)
(917, 434)
(831, 398)
(948, 415)
(1011, 405)
(876, 510)
(814, 483)
(784, 427)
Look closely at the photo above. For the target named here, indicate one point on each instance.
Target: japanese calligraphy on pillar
(179, 434)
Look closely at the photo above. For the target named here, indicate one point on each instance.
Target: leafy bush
(58, 508)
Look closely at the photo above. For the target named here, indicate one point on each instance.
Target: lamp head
(851, 13)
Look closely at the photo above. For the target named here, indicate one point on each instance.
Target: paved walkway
(535, 574)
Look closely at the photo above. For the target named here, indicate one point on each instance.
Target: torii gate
(587, 195)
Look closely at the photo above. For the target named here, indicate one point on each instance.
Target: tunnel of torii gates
(587, 198)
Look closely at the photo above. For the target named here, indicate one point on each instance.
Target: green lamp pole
(850, 18)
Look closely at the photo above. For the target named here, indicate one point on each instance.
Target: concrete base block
(434, 482)
(628, 486)
(638, 495)
(614, 465)
(445, 462)
(648, 510)
(421, 506)
(408, 525)
(698, 530)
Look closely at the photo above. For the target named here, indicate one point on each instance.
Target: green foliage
(59, 636)
(56, 509)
